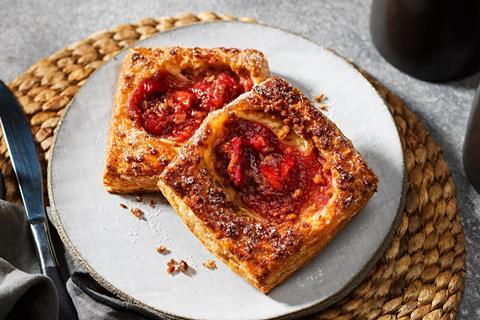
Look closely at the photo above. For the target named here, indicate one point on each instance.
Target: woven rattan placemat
(420, 275)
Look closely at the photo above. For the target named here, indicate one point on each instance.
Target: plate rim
(316, 307)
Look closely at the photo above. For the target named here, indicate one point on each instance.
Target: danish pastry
(266, 182)
(162, 97)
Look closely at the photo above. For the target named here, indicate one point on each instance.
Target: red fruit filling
(270, 177)
(171, 108)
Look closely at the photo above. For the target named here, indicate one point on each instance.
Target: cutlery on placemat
(23, 156)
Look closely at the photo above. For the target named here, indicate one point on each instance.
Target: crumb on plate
(171, 266)
(320, 97)
(161, 249)
(210, 264)
(152, 203)
(137, 213)
(323, 107)
(171, 269)
(174, 266)
(182, 266)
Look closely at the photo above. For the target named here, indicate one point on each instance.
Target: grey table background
(31, 30)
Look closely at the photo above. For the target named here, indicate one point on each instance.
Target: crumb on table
(210, 264)
(123, 206)
(139, 198)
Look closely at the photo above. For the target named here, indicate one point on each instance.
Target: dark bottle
(471, 146)
(433, 40)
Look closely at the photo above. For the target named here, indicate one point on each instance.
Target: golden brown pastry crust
(135, 158)
(266, 251)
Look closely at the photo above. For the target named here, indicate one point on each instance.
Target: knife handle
(50, 269)
(66, 307)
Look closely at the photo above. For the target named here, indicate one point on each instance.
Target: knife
(23, 156)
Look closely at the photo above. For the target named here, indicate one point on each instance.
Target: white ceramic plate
(119, 250)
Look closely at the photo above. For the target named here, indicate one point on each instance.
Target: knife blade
(23, 156)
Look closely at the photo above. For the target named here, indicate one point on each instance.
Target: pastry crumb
(123, 206)
(171, 269)
(139, 198)
(174, 266)
(320, 97)
(171, 266)
(161, 249)
(152, 203)
(182, 266)
(210, 264)
(137, 213)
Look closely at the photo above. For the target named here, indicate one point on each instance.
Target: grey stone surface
(32, 29)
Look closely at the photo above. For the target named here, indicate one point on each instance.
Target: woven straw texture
(420, 275)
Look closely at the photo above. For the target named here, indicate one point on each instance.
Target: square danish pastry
(266, 182)
(162, 97)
